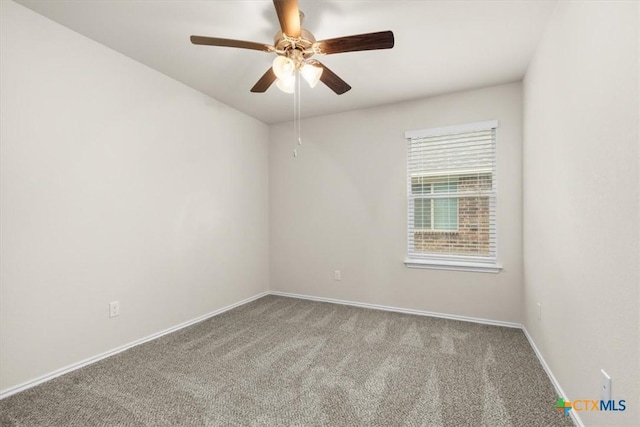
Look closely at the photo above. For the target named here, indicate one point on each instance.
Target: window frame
(444, 261)
(432, 209)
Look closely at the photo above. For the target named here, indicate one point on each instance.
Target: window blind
(452, 194)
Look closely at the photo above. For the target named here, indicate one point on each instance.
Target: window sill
(476, 267)
(431, 232)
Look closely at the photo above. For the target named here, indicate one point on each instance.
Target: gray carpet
(280, 361)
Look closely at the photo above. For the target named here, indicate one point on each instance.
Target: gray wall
(341, 205)
(581, 201)
(117, 183)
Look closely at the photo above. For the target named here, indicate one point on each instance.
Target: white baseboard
(401, 310)
(574, 416)
(32, 383)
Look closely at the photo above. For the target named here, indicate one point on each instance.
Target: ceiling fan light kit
(295, 46)
(286, 68)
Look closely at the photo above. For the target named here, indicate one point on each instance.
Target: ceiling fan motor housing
(303, 44)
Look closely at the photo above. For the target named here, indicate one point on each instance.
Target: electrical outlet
(605, 390)
(539, 311)
(337, 275)
(114, 309)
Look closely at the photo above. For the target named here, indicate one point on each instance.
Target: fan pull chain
(296, 113)
(299, 95)
(295, 123)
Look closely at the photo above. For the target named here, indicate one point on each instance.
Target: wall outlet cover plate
(605, 389)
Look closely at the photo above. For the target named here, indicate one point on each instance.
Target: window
(451, 176)
(432, 213)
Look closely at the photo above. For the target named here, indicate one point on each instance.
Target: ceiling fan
(295, 46)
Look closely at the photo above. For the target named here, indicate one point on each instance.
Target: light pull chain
(296, 114)
(295, 109)
(299, 94)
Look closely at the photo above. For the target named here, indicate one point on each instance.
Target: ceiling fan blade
(289, 16)
(265, 81)
(369, 41)
(214, 41)
(332, 80)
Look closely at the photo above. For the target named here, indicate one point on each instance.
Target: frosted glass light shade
(311, 74)
(283, 67)
(287, 85)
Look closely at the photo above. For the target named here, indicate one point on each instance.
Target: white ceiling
(440, 46)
